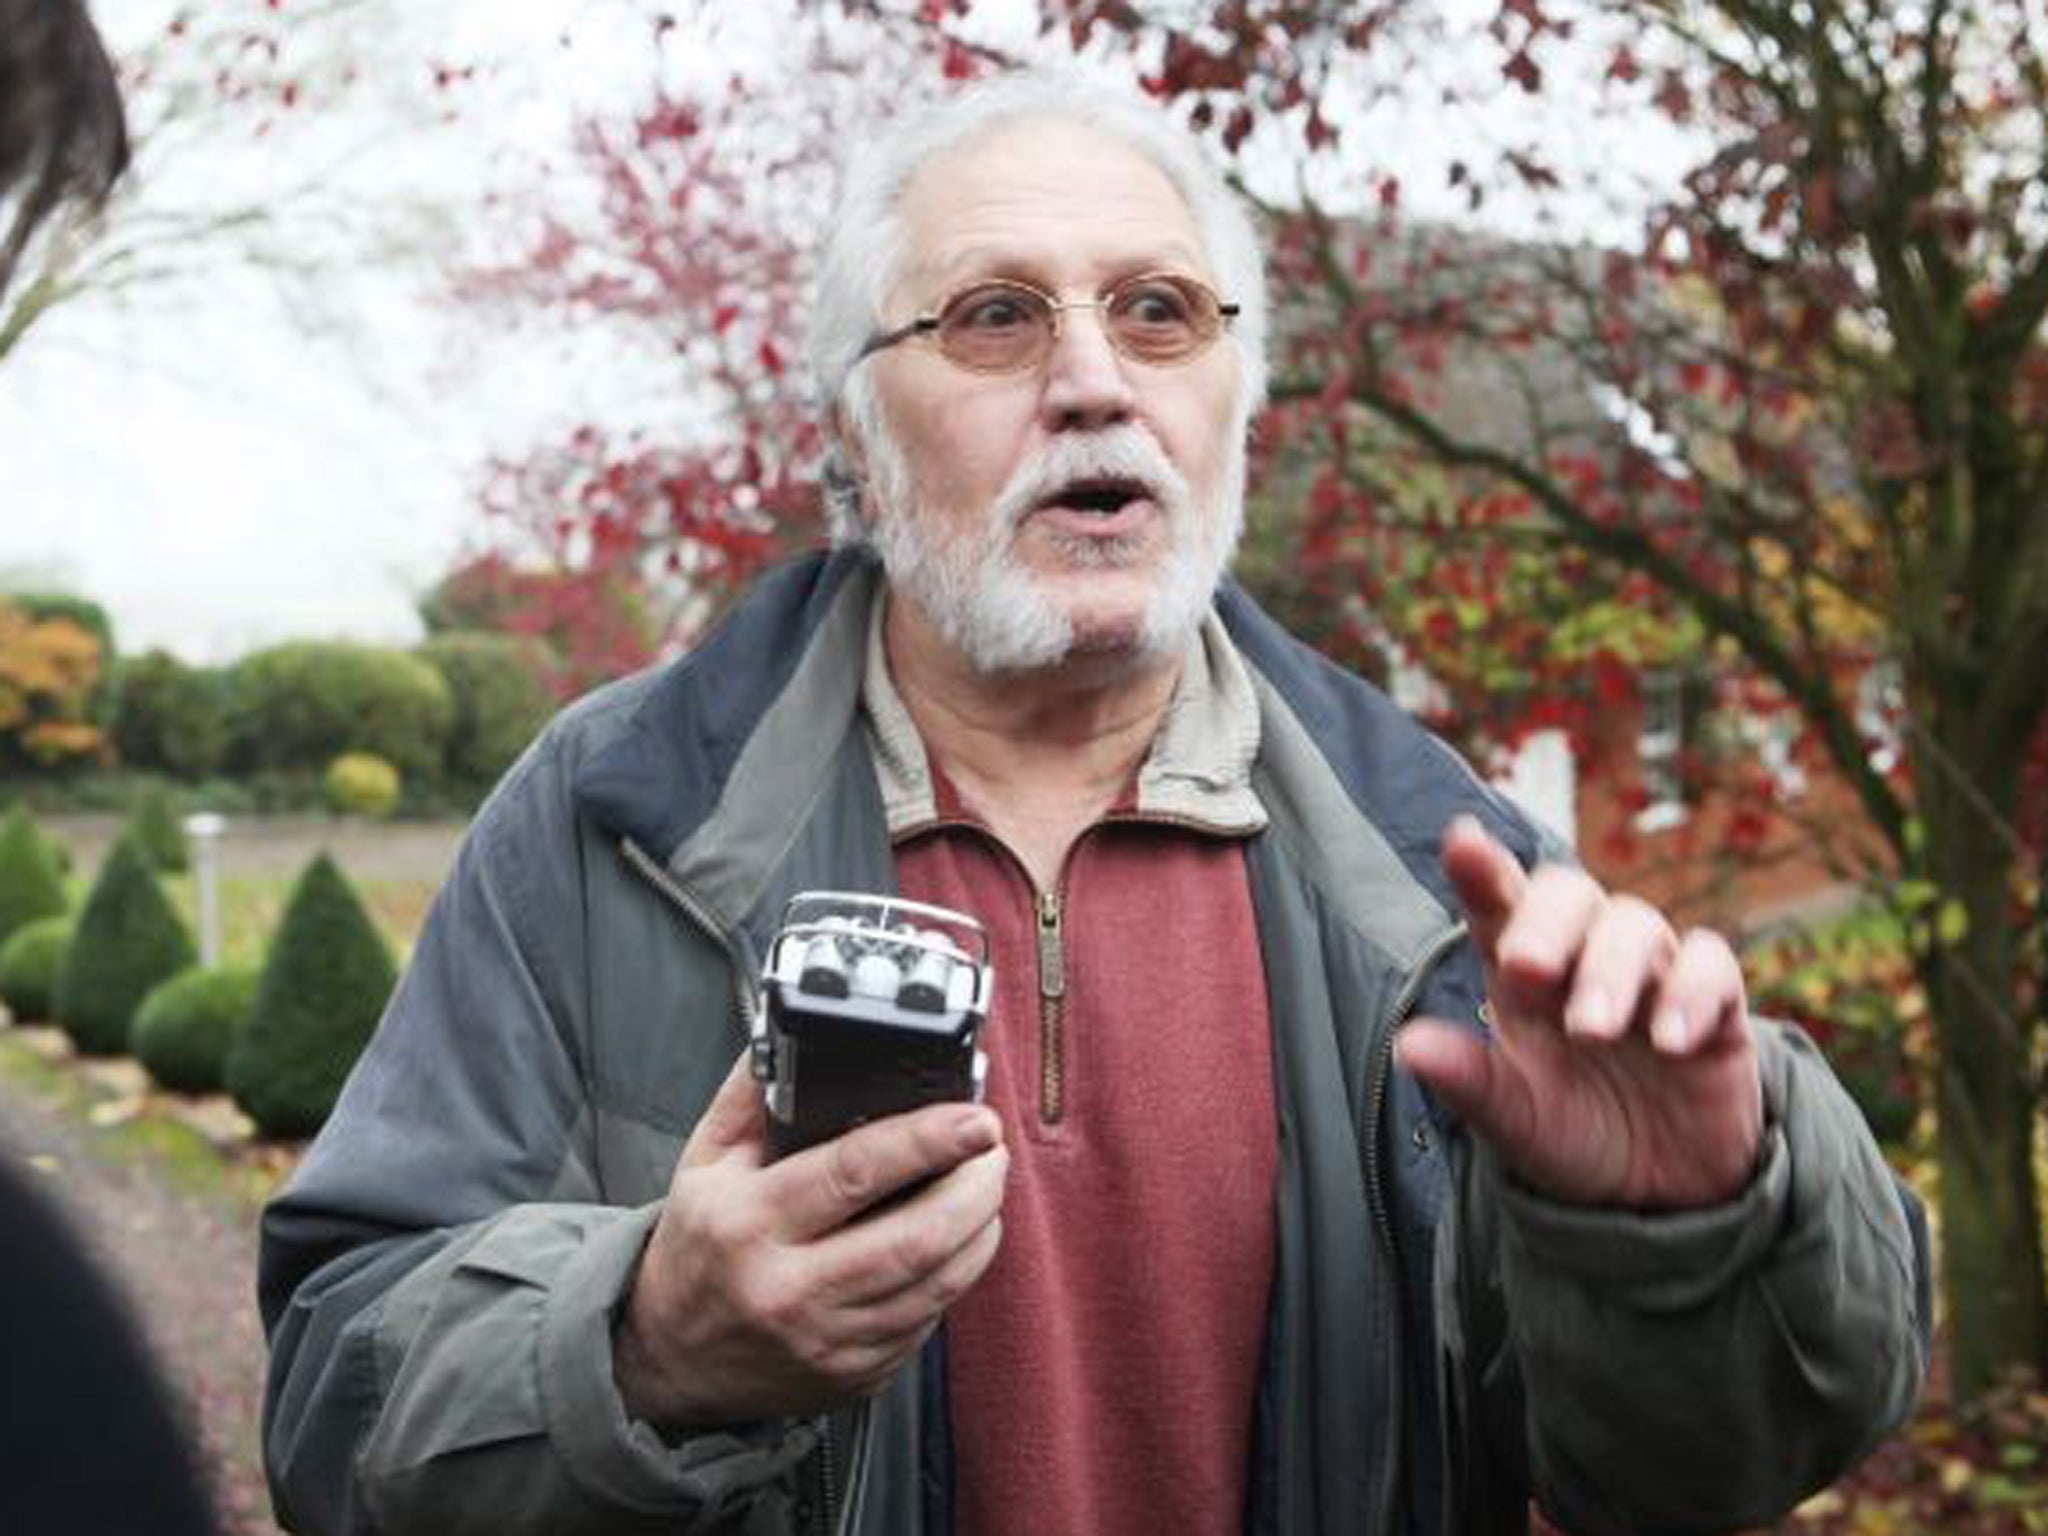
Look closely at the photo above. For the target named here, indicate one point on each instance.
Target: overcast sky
(225, 461)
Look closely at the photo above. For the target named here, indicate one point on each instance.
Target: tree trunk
(1992, 1280)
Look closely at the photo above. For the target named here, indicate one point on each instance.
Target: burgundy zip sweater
(1102, 1376)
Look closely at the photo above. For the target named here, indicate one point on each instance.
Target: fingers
(916, 1306)
(1488, 879)
(1536, 958)
(1470, 1077)
(1560, 950)
(1703, 1000)
(904, 1247)
(1623, 963)
(823, 1188)
(731, 1125)
(856, 1302)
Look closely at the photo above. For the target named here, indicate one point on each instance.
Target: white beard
(992, 609)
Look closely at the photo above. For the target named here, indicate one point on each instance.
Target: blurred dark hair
(62, 134)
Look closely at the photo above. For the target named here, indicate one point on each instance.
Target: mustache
(1122, 453)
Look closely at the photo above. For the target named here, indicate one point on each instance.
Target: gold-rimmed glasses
(1003, 326)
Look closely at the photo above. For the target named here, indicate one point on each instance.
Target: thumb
(731, 1125)
(1468, 1074)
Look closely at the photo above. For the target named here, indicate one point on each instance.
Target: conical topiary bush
(31, 884)
(154, 823)
(323, 986)
(127, 940)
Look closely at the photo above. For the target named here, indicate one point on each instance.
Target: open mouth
(1105, 496)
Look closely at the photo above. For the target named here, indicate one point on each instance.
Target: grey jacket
(440, 1277)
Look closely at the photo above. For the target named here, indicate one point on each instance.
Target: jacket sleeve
(1702, 1371)
(439, 1279)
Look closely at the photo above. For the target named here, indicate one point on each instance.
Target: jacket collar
(728, 749)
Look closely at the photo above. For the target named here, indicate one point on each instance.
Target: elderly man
(1217, 1252)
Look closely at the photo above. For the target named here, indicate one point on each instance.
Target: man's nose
(1086, 384)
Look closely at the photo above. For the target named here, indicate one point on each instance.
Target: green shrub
(360, 784)
(324, 984)
(128, 939)
(498, 684)
(31, 881)
(184, 1028)
(30, 961)
(157, 832)
(1849, 984)
(113, 792)
(170, 717)
(301, 705)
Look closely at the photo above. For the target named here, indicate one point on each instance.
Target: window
(1880, 708)
(1660, 747)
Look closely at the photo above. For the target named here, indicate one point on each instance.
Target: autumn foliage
(49, 668)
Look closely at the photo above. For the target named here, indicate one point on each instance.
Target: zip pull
(1052, 965)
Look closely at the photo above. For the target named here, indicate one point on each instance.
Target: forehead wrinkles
(1055, 203)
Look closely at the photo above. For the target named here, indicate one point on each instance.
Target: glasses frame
(1055, 306)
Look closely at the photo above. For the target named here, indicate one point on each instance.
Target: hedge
(324, 984)
(170, 717)
(128, 939)
(30, 961)
(499, 687)
(299, 706)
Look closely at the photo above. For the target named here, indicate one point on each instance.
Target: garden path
(184, 1252)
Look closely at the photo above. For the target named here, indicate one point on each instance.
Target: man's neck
(1039, 756)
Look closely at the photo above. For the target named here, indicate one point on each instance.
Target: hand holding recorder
(785, 1284)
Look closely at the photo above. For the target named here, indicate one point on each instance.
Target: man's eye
(1155, 304)
(996, 312)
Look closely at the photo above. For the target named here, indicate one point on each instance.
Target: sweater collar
(1197, 771)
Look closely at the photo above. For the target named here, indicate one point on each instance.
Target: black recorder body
(870, 1005)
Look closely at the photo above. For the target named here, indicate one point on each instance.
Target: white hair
(867, 244)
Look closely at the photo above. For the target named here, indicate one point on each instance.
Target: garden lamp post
(203, 829)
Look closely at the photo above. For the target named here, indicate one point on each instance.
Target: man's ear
(845, 476)
(846, 444)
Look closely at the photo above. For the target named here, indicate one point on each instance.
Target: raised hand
(1620, 1069)
(785, 1288)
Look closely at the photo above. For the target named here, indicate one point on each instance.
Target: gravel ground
(186, 1257)
(184, 1248)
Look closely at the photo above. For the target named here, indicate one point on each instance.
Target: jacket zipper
(745, 997)
(848, 1489)
(1369, 1124)
(1052, 991)
(745, 1000)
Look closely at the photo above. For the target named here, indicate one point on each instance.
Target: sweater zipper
(1052, 961)
(1052, 992)
(1393, 1293)
(827, 1478)
(1052, 947)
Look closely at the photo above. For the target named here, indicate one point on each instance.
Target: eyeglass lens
(999, 327)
